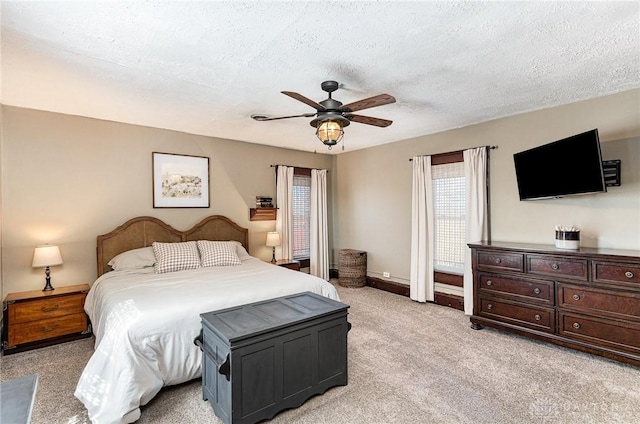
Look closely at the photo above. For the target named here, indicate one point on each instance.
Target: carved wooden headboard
(142, 231)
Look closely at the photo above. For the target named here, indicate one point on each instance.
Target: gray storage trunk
(262, 358)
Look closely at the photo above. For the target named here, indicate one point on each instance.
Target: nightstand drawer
(47, 328)
(34, 310)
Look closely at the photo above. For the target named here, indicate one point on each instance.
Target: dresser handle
(46, 330)
(45, 309)
(489, 282)
(576, 297)
(537, 290)
(555, 267)
(489, 306)
(576, 325)
(628, 274)
(537, 317)
(497, 260)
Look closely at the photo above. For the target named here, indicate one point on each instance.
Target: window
(301, 204)
(449, 211)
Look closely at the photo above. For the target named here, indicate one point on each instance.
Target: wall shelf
(262, 214)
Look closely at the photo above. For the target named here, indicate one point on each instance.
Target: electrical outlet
(386, 275)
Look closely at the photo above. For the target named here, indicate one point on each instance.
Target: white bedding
(145, 324)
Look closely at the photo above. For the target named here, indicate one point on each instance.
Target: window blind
(301, 205)
(449, 217)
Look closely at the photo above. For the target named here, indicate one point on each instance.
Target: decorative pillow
(133, 259)
(172, 257)
(218, 253)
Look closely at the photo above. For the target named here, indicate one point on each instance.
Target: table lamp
(273, 240)
(45, 257)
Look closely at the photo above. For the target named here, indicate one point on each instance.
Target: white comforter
(145, 324)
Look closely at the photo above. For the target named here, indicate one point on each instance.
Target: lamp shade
(273, 238)
(45, 256)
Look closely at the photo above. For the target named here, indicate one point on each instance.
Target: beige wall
(66, 179)
(373, 186)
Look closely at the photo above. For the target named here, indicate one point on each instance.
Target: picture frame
(180, 181)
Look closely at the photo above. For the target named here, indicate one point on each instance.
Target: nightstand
(34, 319)
(288, 263)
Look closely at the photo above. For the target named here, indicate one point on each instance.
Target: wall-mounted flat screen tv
(565, 167)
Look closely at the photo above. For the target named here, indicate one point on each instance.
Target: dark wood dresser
(264, 357)
(586, 299)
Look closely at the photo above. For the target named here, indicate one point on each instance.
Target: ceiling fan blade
(379, 100)
(301, 98)
(378, 122)
(266, 118)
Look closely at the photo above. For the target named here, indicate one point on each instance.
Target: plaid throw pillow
(218, 253)
(172, 257)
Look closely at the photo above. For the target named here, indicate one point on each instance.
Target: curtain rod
(279, 164)
(456, 151)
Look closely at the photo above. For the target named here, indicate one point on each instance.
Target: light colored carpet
(408, 363)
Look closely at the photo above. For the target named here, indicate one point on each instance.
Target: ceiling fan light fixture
(330, 132)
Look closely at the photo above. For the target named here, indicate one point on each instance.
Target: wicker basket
(352, 268)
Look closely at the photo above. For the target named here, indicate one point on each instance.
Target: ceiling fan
(332, 116)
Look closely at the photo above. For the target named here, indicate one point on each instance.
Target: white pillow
(133, 259)
(241, 251)
(218, 253)
(172, 257)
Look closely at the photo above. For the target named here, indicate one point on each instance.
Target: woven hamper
(352, 268)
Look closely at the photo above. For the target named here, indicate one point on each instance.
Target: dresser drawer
(537, 318)
(558, 267)
(47, 328)
(614, 303)
(34, 310)
(527, 290)
(500, 261)
(618, 335)
(612, 272)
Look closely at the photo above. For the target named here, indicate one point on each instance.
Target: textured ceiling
(206, 67)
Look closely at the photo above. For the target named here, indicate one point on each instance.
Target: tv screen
(569, 166)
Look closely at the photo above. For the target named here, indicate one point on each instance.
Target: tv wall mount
(611, 170)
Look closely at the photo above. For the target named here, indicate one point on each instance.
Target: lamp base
(47, 279)
(273, 256)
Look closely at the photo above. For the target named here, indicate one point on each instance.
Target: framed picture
(180, 181)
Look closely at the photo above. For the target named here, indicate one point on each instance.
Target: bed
(145, 322)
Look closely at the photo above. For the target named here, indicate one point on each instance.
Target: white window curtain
(475, 171)
(319, 233)
(284, 222)
(422, 284)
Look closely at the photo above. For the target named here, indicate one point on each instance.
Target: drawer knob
(497, 260)
(628, 274)
(53, 308)
(576, 325)
(555, 267)
(489, 306)
(47, 329)
(576, 297)
(537, 317)
(537, 290)
(489, 282)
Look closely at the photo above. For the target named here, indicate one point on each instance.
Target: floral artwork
(180, 181)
